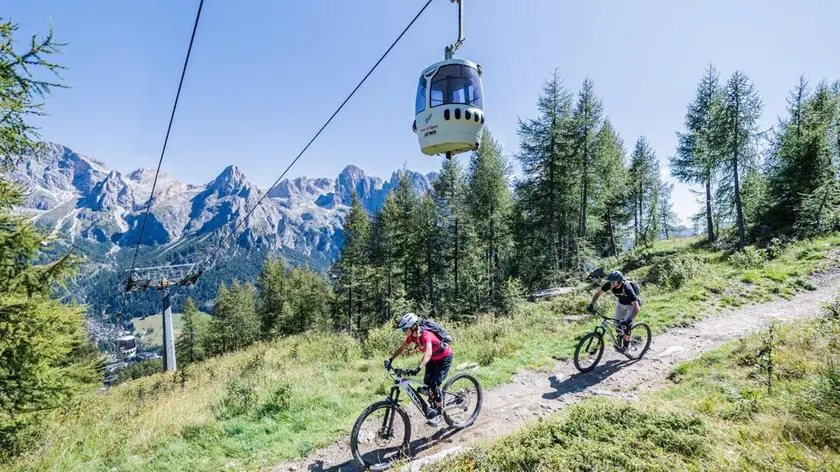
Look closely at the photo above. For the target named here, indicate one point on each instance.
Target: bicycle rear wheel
(589, 351)
(460, 393)
(377, 426)
(639, 341)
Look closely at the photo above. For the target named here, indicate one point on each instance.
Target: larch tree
(587, 117)
(489, 201)
(697, 152)
(737, 130)
(46, 358)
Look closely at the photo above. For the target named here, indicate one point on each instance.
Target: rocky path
(531, 394)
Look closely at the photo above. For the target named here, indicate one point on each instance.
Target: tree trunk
(429, 274)
(457, 242)
(738, 209)
(710, 225)
(611, 233)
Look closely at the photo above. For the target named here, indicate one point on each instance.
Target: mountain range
(82, 202)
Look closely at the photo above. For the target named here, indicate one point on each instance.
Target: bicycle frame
(406, 385)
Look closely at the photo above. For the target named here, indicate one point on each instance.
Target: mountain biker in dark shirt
(437, 357)
(628, 301)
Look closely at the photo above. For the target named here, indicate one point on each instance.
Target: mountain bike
(458, 394)
(591, 346)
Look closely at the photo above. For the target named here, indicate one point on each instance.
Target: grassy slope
(149, 328)
(281, 400)
(715, 415)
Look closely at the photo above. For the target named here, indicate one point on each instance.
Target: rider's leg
(429, 379)
(443, 370)
(622, 314)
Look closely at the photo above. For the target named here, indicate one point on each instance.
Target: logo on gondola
(428, 118)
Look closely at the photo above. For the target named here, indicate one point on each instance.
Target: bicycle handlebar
(596, 312)
(402, 372)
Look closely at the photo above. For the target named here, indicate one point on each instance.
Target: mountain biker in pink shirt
(437, 357)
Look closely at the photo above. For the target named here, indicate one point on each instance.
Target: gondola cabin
(449, 110)
(127, 347)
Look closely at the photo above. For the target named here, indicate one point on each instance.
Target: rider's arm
(596, 296)
(427, 354)
(636, 309)
(399, 351)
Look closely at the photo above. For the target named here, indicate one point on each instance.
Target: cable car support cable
(162, 153)
(223, 240)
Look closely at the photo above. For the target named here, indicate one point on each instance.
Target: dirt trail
(531, 394)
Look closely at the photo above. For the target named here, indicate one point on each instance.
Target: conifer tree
(448, 193)
(587, 121)
(428, 241)
(737, 129)
(548, 190)
(611, 187)
(645, 178)
(235, 322)
(697, 150)
(801, 157)
(354, 256)
(189, 346)
(667, 217)
(45, 356)
(489, 201)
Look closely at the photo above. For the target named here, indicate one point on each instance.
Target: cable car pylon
(449, 106)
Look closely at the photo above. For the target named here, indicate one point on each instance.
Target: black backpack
(637, 289)
(439, 331)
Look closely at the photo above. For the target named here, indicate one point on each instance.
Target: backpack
(439, 331)
(637, 289)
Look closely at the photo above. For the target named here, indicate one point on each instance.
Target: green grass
(716, 414)
(281, 400)
(149, 328)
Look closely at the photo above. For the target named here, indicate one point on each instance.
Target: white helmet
(407, 321)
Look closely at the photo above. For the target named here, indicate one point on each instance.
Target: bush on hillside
(749, 258)
(674, 272)
(512, 296)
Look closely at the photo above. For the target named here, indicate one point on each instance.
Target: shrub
(513, 294)
(239, 399)
(383, 339)
(749, 258)
(674, 272)
(278, 400)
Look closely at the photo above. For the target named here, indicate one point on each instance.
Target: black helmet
(615, 276)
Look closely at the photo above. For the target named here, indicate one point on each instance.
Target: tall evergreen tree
(448, 191)
(801, 157)
(189, 346)
(645, 178)
(611, 188)
(489, 201)
(738, 133)
(429, 241)
(46, 358)
(235, 322)
(548, 191)
(697, 152)
(587, 119)
(667, 217)
(350, 266)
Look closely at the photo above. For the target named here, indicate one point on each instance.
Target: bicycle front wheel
(462, 399)
(589, 351)
(639, 341)
(380, 436)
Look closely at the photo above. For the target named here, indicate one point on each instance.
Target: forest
(480, 240)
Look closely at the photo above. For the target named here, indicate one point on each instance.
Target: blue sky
(264, 74)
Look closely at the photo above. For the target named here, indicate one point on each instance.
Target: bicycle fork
(387, 430)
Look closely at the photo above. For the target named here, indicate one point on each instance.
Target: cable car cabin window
(420, 102)
(456, 84)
